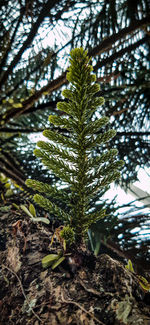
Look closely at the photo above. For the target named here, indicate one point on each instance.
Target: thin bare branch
(46, 8)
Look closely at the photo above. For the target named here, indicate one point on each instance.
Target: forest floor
(98, 291)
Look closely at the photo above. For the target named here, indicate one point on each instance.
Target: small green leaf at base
(32, 214)
(41, 219)
(145, 285)
(61, 259)
(49, 259)
(23, 207)
(32, 210)
(129, 266)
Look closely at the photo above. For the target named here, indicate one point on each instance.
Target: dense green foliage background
(35, 40)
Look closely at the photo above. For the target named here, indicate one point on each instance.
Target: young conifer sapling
(69, 153)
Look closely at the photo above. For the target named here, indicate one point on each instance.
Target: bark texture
(99, 291)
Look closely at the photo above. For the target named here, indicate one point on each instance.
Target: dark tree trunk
(100, 291)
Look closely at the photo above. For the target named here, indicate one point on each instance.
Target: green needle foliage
(70, 156)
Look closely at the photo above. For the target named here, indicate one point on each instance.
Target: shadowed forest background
(35, 40)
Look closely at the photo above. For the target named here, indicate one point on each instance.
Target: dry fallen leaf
(13, 258)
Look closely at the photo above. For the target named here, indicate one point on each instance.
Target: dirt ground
(83, 290)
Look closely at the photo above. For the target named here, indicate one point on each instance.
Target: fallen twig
(22, 289)
(67, 301)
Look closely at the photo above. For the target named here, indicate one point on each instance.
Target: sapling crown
(68, 152)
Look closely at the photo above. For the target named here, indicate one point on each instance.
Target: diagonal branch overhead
(120, 53)
(104, 45)
(51, 86)
(3, 61)
(49, 5)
